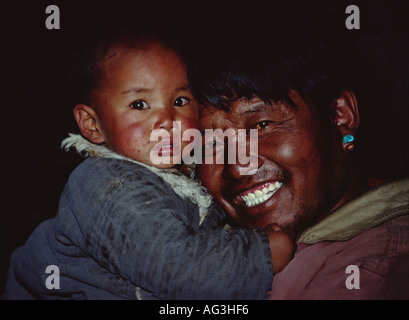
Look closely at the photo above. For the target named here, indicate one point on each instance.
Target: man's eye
(139, 105)
(262, 124)
(181, 101)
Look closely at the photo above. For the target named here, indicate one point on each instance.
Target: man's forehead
(236, 106)
(242, 108)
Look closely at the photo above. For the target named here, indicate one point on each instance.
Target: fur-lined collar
(182, 185)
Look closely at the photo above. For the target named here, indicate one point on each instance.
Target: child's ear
(87, 121)
(346, 113)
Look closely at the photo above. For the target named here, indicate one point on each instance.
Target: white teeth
(260, 196)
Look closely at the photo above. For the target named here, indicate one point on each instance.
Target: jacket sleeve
(134, 228)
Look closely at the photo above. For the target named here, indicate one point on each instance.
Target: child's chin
(165, 166)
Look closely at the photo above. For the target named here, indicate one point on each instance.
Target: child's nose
(165, 119)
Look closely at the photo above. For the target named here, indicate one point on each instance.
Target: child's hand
(282, 247)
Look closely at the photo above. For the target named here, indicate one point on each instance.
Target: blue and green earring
(348, 140)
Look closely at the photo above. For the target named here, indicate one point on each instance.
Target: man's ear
(346, 113)
(87, 121)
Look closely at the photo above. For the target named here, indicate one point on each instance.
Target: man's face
(298, 177)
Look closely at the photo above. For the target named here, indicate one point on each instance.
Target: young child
(131, 229)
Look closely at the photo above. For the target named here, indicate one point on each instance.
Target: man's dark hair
(267, 64)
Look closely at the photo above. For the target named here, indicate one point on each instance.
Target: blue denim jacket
(121, 232)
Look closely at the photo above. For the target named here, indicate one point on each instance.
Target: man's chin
(255, 217)
(261, 217)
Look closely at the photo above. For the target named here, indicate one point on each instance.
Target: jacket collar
(182, 185)
(376, 206)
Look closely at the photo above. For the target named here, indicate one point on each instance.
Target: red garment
(371, 233)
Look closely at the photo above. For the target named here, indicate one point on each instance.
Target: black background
(36, 110)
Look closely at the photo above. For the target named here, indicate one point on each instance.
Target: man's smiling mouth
(260, 193)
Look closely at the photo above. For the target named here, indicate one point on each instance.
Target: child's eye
(139, 105)
(181, 101)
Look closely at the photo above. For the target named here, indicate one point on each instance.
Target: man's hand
(282, 247)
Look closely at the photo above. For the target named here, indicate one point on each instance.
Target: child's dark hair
(267, 64)
(86, 68)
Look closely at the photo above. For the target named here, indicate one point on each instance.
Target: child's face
(143, 90)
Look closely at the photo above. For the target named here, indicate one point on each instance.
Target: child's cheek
(190, 134)
(191, 117)
(133, 138)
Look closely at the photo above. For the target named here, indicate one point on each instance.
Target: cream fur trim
(182, 185)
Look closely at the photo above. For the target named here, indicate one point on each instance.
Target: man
(353, 241)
